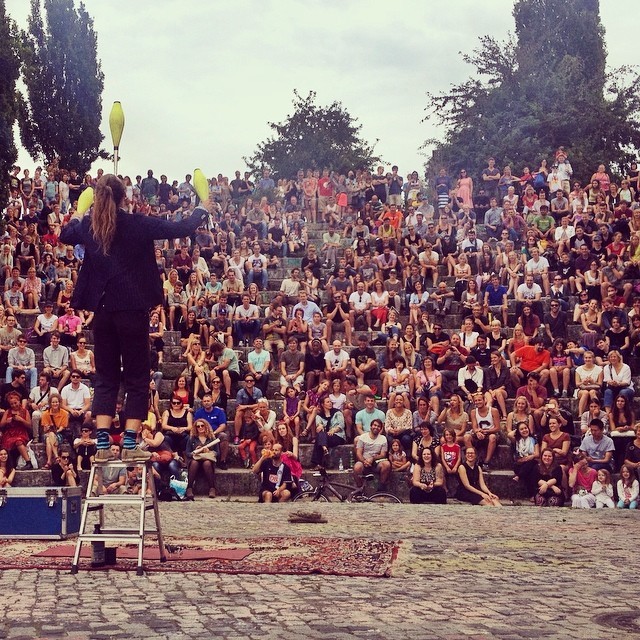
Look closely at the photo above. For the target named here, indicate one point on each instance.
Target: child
(249, 433)
(338, 399)
(450, 452)
(398, 457)
(291, 410)
(7, 472)
(628, 488)
(603, 490)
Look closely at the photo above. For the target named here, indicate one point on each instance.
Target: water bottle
(340, 465)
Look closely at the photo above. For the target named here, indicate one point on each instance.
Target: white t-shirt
(360, 300)
(529, 293)
(336, 360)
(537, 267)
(75, 397)
(372, 448)
(594, 373)
(46, 324)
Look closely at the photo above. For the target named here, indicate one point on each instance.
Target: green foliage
(9, 73)
(312, 137)
(61, 114)
(544, 89)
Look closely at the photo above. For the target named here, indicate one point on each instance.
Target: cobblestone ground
(463, 572)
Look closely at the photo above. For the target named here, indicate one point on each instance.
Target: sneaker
(102, 455)
(236, 440)
(189, 495)
(247, 463)
(135, 455)
(278, 396)
(212, 493)
(564, 394)
(241, 343)
(223, 465)
(485, 467)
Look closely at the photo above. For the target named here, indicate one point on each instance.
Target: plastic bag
(179, 486)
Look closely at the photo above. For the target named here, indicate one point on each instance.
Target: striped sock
(102, 439)
(129, 439)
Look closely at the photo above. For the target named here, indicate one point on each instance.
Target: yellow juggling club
(201, 185)
(116, 124)
(85, 201)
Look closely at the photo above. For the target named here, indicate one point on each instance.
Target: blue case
(47, 513)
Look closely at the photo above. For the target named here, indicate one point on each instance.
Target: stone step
(236, 482)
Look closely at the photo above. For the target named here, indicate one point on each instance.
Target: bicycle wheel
(388, 498)
(310, 496)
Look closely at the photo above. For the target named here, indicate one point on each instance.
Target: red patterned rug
(359, 557)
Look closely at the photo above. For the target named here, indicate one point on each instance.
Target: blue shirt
(494, 296)
(243, 398)
(215, 417)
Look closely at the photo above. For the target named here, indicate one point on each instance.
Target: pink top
(69, 324)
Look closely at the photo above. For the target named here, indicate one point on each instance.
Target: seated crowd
(426, 327)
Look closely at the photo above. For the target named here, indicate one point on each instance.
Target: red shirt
(325, 187)
(531, 358)
(524, 391)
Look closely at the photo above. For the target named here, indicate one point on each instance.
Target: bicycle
(325, 490)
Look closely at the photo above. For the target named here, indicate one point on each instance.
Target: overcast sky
(200, 80)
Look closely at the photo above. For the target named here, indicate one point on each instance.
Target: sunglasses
(176, 402)
(64, 457)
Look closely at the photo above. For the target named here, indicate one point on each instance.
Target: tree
(60, 116)
(545, 89)
(313, 137)
(9, 74)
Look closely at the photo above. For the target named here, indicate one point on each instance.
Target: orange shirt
(531, 358)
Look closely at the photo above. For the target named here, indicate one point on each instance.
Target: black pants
(419, 496)
(122, 353)
(324, 440)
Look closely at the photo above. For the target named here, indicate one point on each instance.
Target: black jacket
(127, 278)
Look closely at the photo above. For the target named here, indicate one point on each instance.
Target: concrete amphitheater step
(241, 482)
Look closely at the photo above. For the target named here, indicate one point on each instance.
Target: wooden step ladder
(143, 501)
